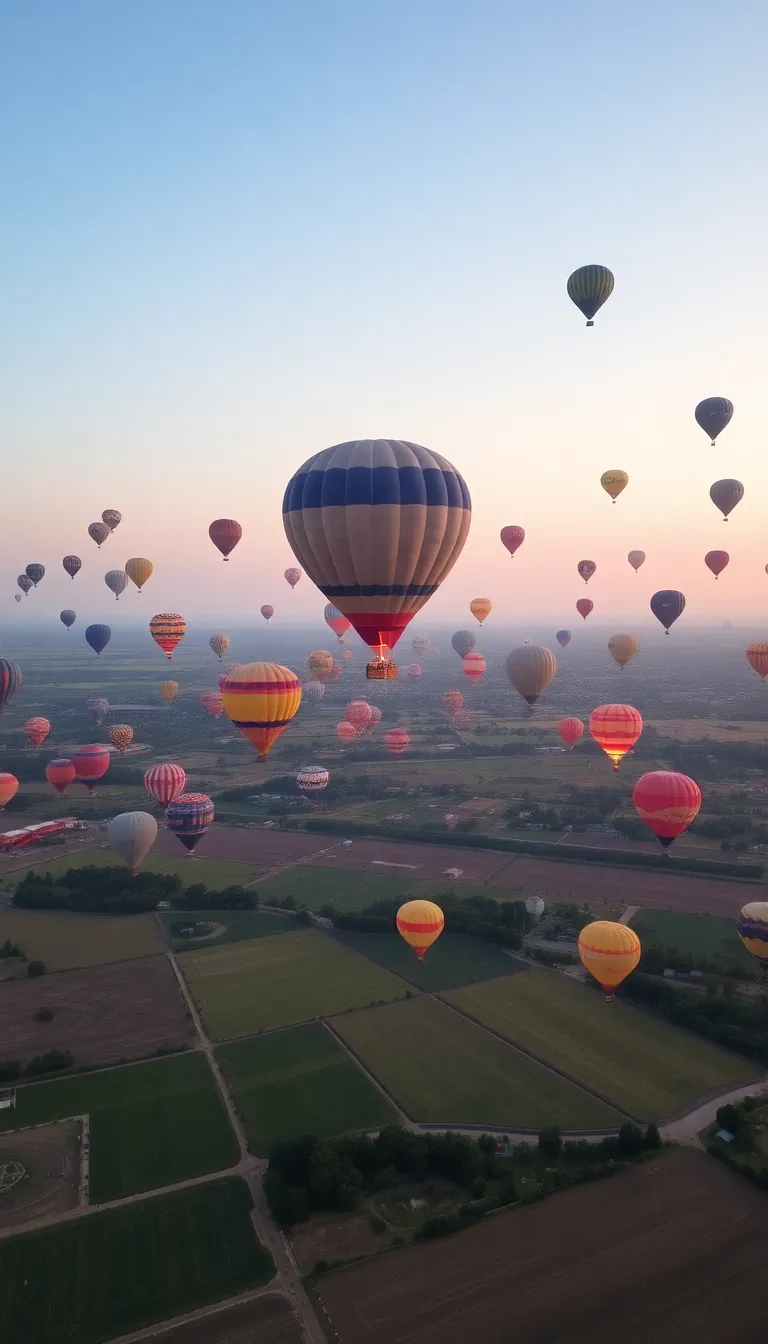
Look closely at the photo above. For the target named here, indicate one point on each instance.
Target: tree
(36, 968)
(728, 1118)
(652, 1138)
(550, 1142)
(630, 1140)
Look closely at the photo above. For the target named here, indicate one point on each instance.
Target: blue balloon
(563, 637)
(98, 636)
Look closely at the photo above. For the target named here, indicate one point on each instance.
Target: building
(37, 834)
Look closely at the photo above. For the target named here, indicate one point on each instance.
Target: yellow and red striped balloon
(616, 729)
(261, 699)
(167, 629)
(420, 923)
(609, 951)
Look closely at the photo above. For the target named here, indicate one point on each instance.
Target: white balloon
(132, 835)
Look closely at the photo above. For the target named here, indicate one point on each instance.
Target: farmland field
(64, 940)
(443, 1069)
(105, 1013)
(455, 959)
(213, 872)
(299, 1081)
(112, 1272)
(276, 982)
(313, 887)
(268, 1320)
(235, 926)
(672, 1249)
(151, 1124)
(644, 1066)
(701, 936)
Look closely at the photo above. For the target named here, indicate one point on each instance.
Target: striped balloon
(261, 699)
(312, 778)
(615, 729)
(752, 928)
(60, 773)
(10, 681)
(757, 657)
(189, 816)
(610, 952)
(377, 524)
(212, 703)
(420, 923)
(396, 741)
(167, 629)
(588, 288)
(667, 802)
(164, 782)
(36, 730)
(473, 666)
(570, 731)
(91, 764)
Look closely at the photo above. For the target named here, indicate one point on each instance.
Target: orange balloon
(616, 729)
(480, 608)
(757, 657)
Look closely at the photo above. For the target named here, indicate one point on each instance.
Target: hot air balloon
(168, 690)
(375, 717)
(613, 482)
(98, 636)
(716, 561)
(346, 732)
(570, 731)
(512, 538)
(132, 835)
(36, 730)
(24, 583)
(712, 415)
(67, 617)
(167, 629)
(757, 657)
(414, 671)
(292, 577)
(420, 923)
(231, 668)
(451, 820)
(667, 605)
(139, 570)
(333, 673)
(121, 737)
(452, 701)
(358, 713)
(610, 952)
(480, 608)
(752, 928)
(396, 741)
(99, 533)
(588, 288)
(377, 524)
(473, 666)
(563, 638)
(219, 644)
(636, 559)
(116, 581)
(616, 729)
(319, 663)
(347, 654)
(164, 782)
(267, 612)
(35, 573)
(535, 907)
(312, 779)
(17, 597)
(338, 623)
(111, 517)
(225, 534)
(91, 764)
(313, 692)
(212, 703)
(463, 642)
(420, 643)
(60, 774)
(260, 700)
(98, 708)
(725, 495)
(586, 569)
(8, 788)
(10, 681)
(667, 802)
(189, 816)
(531, 669)
(72, 563)
(462, 718)
(622, 649)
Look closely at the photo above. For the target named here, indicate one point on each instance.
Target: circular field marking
(10, 1174)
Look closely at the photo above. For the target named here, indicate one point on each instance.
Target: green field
(276, 982)
(299, 1081)
(643, 1065)
(709, 937)
(213, 872)
(444, 1069)
(238, 926)
(66, 941)
(315, 886)
(109, 1273)
(455, 959)
(151, 1124)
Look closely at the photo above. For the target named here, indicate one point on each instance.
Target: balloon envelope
(512, 538)
(414, 671)
(267, 611)
(716, 561)
(358, 713)
(480, 608)
(72, 563)
(35, 573)
(622, 648)
(219, 644)
(10, 681)
(225, 534)
(313, 692)
(563, 638)
(346, 732)
(189, 816)
(111, 518)
(667, 802)
(609, 951)
(377, 524)
(452, 702)
(712, 415)
(168, 690)
(116, 581)
(98, 636)
(132, 835)
(24, 583)
(463, 642)
(91, 764)
(99, 532)
(636, 559)
(396, 741)
(613, 482)
(260, 700)
(667, 605)
(420, 643)
(586, 569)
(8, 788)
(757, 657)
(616, 729)
(36, 730)
(752, 928)
(67, 617)
(213, 703)
(337, 622)
(589, 287)
(164, 782)
(60, 773)
(98, 708)
(531, 669)
(570, 731)
(167, 629)
(420, 923)
(292, 576)
(139, 570)
(312, 779)
(473, 666)
(121, 736)
(725, 495)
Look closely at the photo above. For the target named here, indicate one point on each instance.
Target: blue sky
(234, 233)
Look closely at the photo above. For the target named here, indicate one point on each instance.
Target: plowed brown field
(670, 1251)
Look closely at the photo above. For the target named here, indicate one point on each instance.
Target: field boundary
(377, 1083)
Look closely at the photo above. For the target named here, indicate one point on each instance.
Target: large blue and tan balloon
(752, 927)
(377, 524)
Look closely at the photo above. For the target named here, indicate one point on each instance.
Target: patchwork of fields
(455, 959)
(232, 926)
(299, 1081)
(66, 941)
(709, 937)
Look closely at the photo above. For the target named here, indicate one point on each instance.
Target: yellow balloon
(168, 690)
(613, 482)
(138, 570)
(609, 951)
(622, 648)
(420, 923)
(480, 608)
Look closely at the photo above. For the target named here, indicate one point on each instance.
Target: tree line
(504, 923)
(736, 1024)
(113, 891)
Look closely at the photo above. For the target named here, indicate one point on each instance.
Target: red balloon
(60, 773)
(584, 606)
(512, 538)
(346, 732)
(586, 569)
(667, 802)
(267, 612)
(716, 561)
(569, 731)
(225, 534)
(358, 713)
(91, 763)
(397, 741)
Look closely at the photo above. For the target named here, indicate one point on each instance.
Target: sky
(235, 233)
